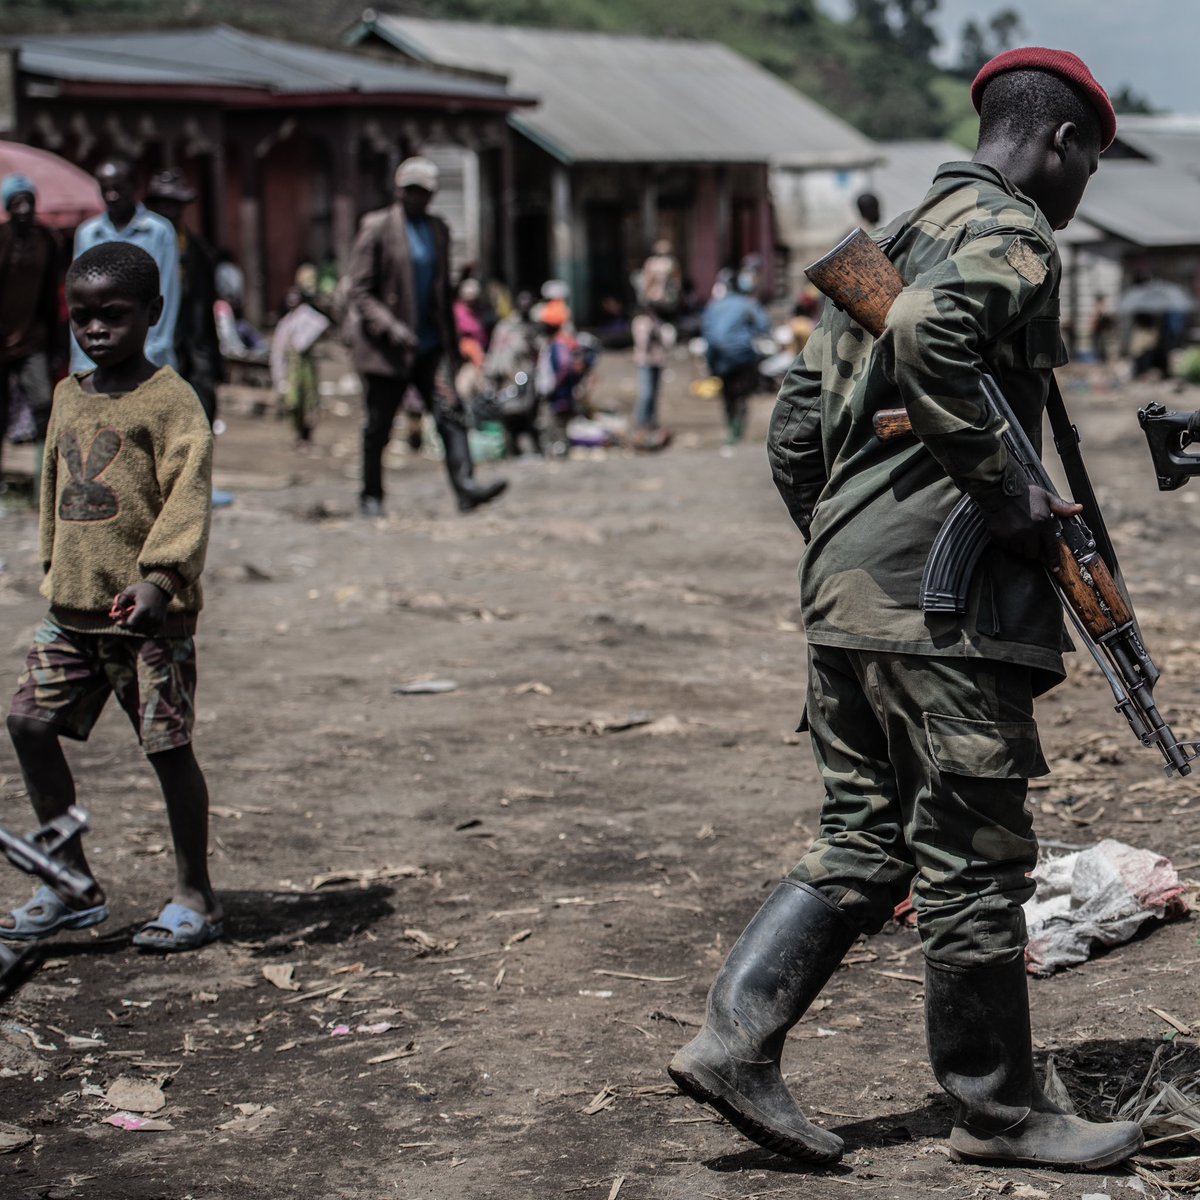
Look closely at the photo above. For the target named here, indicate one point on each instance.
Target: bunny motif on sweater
(87, 497)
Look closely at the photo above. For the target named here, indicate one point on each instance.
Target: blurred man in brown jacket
(402, 328)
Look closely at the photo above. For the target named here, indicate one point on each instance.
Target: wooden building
(286, 145)
(635, 139)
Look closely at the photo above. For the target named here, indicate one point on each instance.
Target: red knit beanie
(1058, 62)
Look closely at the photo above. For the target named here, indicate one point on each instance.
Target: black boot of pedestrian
(461, 469)
(773, 973)
(982, 1054)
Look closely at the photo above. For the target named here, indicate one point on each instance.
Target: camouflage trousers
(925, 763)
(69, 676)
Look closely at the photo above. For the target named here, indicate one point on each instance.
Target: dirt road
(489, 915)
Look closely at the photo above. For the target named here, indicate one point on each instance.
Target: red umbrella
(65, 194)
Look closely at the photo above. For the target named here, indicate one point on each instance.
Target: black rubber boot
(461, 469)
(982, 1054)
(773, 973)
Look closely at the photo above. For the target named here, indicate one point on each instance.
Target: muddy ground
(524, 902)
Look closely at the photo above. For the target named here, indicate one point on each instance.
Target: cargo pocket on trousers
(985, 749)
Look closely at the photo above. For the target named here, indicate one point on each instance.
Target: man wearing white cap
(402, 327)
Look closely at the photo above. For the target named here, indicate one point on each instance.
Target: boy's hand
(140, 607)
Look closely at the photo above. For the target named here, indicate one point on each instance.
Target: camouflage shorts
(68, 676)
(925, 763)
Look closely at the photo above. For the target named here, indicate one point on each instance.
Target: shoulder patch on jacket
(1024, 260)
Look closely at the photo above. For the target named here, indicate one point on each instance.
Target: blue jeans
(645, 413)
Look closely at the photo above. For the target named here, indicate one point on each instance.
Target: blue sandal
(54, 916)
(185, 930)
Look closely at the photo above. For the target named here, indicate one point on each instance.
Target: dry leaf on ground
(13, 1137)
(135, 1095)
(280, 974)
(251, 1118)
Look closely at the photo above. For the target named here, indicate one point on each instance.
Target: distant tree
(1126, 100)
(915, 34)
(972, 49)
(979, 43)
(881, 69)
(1007, 30)
(799, 12)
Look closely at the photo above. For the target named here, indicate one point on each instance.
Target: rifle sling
(1066, 442)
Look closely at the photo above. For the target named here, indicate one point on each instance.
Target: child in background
(560, 367)
(125, 510)
(293, 364)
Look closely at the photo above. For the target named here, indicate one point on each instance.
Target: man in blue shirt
(731, 324)
(126, 219)
(402, 330)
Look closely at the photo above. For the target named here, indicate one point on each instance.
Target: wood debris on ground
(605, 1098)
(426, 943)
(365, 875)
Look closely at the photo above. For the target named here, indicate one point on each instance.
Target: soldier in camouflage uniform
(922, 724)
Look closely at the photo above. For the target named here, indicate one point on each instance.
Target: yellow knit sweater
(126, 497)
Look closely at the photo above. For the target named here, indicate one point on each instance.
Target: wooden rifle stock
(1073, 580)
(858, 277)
(861, 280)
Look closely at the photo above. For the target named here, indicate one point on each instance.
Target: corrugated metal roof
(1145, 203)
(1170, 140)
(1113, 206)
(224, 57)
(618, 98)
(907, 172)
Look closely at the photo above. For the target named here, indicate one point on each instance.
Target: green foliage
(981, 42)
(954, 100)
(874, 68)
(1188, 366)
(1126, 100)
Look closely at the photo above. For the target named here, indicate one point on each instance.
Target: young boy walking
(126, 505)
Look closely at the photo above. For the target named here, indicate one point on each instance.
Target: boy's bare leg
(186, 796)
(51, 788)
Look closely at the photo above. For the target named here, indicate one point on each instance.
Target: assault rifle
(40, 854)
(1169, 434)
(860, 279)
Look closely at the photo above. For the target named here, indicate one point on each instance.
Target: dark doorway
(608, 279)
(531, 235)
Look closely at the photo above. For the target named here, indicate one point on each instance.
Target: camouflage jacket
(983, 272)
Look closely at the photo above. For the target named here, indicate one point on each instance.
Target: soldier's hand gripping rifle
(860, 279)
